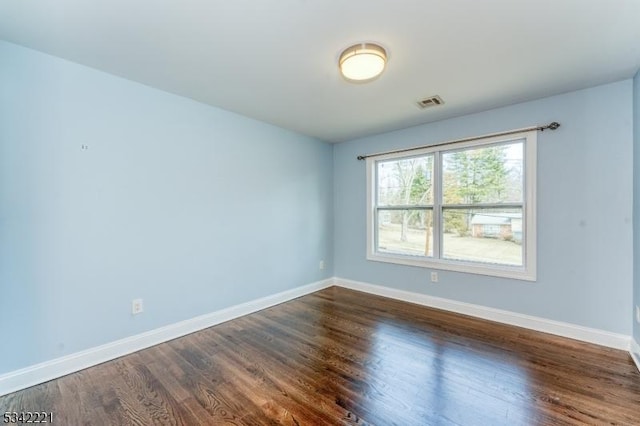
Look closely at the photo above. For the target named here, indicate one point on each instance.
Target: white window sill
(515, 272)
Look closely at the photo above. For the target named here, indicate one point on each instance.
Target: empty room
(320, 212)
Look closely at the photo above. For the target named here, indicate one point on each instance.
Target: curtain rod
(553, 126)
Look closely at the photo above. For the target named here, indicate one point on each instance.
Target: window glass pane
(405, 182)
(483, 235)
(493, 174)
(405, 232)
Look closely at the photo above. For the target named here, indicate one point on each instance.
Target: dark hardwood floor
(343, 357)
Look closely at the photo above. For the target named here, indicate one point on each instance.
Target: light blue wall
(636, 202)
(584, 210)
(190, 207)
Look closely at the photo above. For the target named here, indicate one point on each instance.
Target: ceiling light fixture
(362, 62)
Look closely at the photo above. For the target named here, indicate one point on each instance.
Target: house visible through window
(466, 207)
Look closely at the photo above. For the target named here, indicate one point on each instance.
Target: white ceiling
(276, 60)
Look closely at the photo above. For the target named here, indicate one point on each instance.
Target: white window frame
(525, 272)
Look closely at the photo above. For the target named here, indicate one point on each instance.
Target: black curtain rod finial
(552, 126)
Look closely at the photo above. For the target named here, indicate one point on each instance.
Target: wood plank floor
(343, 357)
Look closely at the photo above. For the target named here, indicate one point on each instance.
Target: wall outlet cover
(137, 306)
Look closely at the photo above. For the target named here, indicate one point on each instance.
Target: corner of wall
(636, 215)
(634, 351)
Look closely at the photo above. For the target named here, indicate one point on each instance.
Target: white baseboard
(591, 335)
(634, 350)
(49, 370)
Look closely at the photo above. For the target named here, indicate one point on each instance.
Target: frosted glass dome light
(362, 62)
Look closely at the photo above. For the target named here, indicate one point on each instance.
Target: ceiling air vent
(431, 101)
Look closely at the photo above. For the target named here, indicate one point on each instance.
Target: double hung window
(467, 207)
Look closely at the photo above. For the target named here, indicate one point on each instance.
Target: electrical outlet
(638, 313)
(434, 277)
(321, 266)
(136, 306)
